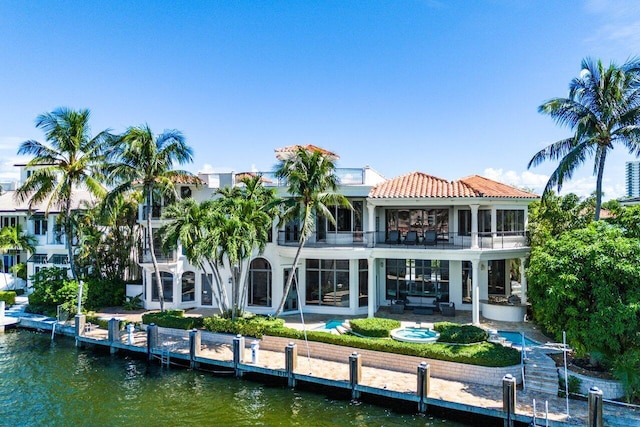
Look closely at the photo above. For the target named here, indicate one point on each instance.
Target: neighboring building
(51, 248)
(632, 179)
(416, 238)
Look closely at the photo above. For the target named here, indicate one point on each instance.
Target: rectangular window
(464, 221)
(363, 282)
(39, 225)
(419, 221)
(509, 221)
(467, 282)
(497, 278)
(414, 280)
(327, 282)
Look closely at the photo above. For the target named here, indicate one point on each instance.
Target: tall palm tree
(145, 161)
(312, 184)
(69, 160)
(603, 109)
(14, 240)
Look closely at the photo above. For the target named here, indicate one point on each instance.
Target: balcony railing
(145, 257)
(346, 176)
(500, 240)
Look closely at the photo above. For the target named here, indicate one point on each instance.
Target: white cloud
(208, 169)
(581, 186)
(619, 23)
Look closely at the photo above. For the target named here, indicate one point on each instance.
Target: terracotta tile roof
(186, 179)
(489, 188)
(284, 151)
(9, 204)
(422, 185)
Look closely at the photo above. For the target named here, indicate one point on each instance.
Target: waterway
(53, 383)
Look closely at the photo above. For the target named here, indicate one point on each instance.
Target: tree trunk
(599, 184)
(287, 287)
(152, 251)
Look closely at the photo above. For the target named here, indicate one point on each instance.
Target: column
(474, 226)
(370, 231)
(523, 283)
(475, 294)
(372, 297)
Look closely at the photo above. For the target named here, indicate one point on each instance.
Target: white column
(371, 287)
(523, 283)
(474, 226)
(371, 225)
(494, 221)
(475, 297)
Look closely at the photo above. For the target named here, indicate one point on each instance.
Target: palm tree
(603, 109)
(312, 185)
(14, 240)
(69, 160)
(146, 161)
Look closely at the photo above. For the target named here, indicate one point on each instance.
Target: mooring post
(290, 363)
(2, 304)
(152, 339)
(509, 399)
(195, 345)
(238, 354)
(595, 407)
(80, 324)
(113, 333)
(355, 373)
(424, 380)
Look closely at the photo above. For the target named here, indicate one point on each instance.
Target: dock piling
(290, 363)
(424, 379)
(355, 373)
(195, 345)
(80, 323)
(509, 399)
(238, 354)
(595, 407)
(152, 339)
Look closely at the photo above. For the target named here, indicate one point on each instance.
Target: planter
(504, 312)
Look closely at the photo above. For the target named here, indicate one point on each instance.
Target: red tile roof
(421, 185)
(282, 152)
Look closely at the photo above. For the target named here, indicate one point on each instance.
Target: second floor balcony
(410, 240)
(161, 257)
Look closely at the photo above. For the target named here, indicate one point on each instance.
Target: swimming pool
(416, 335)
(516, 338)
(329, 326)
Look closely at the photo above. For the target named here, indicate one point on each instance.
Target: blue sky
(450, 88)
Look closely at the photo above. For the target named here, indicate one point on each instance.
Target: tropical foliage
(144, 162)
(223, 233)
(312, 184)
(554, 215)
(14, 240)
(603, 110)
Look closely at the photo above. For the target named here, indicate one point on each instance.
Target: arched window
(188, 286)
(167, 286)
(259, 283)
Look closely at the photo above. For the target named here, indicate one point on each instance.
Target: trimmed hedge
(374, 327)
(9, 297)
(454, 333)
(172, 319)
(481, 354)
(251, 326)
(103, 323)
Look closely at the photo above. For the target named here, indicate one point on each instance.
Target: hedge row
(481, 354)
(172, 319)
(255, 326)
(459, 334)
(374, 327)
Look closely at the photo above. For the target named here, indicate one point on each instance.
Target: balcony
(346, 176)
(439, 241)
(145, 257)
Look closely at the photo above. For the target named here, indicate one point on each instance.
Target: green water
(45, 383)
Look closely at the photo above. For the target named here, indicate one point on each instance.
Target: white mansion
(415, 238)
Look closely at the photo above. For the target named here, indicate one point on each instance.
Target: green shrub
(374, 327)
(103, 323)
(104, 293)
(574, 386)
(459, 334)
(626, 368)
(52, 287)
(133, 302)
(249, 325)
(9, 297)
(172, 319)
(481, 354)
(19, 291)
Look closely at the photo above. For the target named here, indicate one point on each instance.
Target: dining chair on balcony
(393, 238)
(430, 238)
(412, 238)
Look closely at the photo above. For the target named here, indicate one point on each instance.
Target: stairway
(540, 373)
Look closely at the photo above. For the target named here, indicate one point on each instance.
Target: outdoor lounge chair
(412, 238)
(394, 237)
(448, 309)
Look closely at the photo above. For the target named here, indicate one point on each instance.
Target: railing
(502, 240)
(346, 176)
(145, 256)
(328, 239)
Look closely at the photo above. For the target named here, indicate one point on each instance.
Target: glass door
(291, 303)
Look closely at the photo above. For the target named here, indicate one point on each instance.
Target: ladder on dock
(165, 356)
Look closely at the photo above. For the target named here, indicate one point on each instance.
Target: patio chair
(394, 237)
(430, 238)
(448, 309)
(412, 238)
